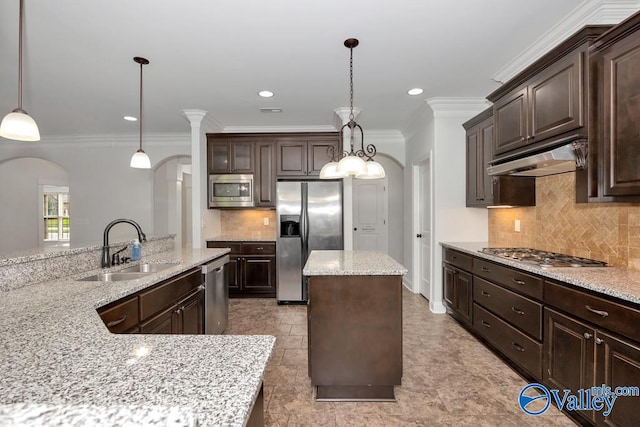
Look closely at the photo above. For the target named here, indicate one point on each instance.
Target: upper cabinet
(302, 155)
(479, 153)
(545, 105)
(614, 147)
(227, 154)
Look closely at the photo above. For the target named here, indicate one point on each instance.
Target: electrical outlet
(265, 220)
(516, 226)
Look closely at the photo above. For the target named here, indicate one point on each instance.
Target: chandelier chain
(351, 116)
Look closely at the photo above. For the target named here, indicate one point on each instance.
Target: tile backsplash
(247, 222)
(604, 231)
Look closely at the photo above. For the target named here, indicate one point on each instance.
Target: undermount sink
(147, 268)
(114, 277)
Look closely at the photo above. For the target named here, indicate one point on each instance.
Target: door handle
(419, 236)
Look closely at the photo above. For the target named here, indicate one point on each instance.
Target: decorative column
(199, 174)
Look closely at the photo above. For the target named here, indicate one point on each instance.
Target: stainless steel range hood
(558, 160)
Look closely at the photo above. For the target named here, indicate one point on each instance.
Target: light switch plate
(265, 220)
(516, 226)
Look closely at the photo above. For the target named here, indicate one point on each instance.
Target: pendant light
(352, 162)
(140, 160)
(18, 125)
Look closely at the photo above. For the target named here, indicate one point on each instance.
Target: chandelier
(352, 162)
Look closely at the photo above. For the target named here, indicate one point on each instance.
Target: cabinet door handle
(485, 324)
(259, 248)
(486, 294)
(599, 341)
(486, 270)
(517, 311)
(587, 335)
(517, 346)
(454, 257)
(598, 312)
(116, 322)
(519, 282)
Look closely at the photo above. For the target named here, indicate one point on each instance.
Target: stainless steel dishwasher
(216, 295)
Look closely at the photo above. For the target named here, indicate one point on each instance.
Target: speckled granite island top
(352, 263)
(60, 364)
(617, 282)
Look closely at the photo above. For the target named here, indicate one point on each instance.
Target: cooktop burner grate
(542, 259)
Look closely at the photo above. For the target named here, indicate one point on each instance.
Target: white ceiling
(80, 78)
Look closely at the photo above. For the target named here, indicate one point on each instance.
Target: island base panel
(355, 393)
(355, 336)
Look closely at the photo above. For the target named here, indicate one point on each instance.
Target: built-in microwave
(230, 191)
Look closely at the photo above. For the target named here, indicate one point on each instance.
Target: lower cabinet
(553, 333)
(184, 317)
(457, 292)
(173, 306)
(252, 268)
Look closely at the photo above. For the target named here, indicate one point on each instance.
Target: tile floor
(449, 378)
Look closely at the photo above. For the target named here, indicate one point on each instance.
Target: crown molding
(278, 129)
(457, 107)
(104, 140)
(589, 12)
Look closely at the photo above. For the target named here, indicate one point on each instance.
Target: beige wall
(604, 231)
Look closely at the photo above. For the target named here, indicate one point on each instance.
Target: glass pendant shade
(20, 126)
(330, 171)
(140, 160)
(351, 165)
(374, 170)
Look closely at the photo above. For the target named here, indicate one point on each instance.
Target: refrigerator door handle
(304, 223)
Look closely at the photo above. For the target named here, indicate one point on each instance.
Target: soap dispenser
(136, 251)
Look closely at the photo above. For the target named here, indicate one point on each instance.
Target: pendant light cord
(20, 57)
(140, 106)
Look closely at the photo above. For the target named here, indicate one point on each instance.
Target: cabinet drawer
(120, 315)
(520, 311)
(518, 347)
(235, 246)
(599, 311)
(266, 248)
(518, 281)
(166, 294)
(458, 259)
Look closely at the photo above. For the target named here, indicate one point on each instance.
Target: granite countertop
(614, 281)
(59, 361)
(242, 237)
(352, 263)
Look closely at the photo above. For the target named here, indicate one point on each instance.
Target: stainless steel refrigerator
(309, 218)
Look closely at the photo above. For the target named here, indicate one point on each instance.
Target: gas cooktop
(542, 259)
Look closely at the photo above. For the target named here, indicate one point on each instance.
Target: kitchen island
(60, 365)
(354, 318)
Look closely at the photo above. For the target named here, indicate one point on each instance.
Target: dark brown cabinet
(173, 306)
(614, 152)
(579, 356)
(479, 154)
(457, 286)
(545, 104)
(265, 174)
(229, 155)
(252, 268)
(305, 155)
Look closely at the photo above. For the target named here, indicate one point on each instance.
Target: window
(56, 214)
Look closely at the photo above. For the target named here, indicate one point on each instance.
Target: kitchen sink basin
(114, 277)
(147, 268)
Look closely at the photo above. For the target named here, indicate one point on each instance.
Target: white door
(424, 232)
(370, 215)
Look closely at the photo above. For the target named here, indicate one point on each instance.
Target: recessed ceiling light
(265, 93)
(415, 91)
(130, 119)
